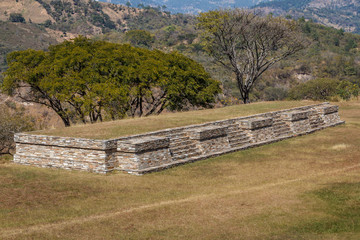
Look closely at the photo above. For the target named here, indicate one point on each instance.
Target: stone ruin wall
(153, 151)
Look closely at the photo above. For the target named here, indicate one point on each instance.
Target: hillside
(75, 16)
(19, 36)
(187, 6)
(335, 13)
(332, 54)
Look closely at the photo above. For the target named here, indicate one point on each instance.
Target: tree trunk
(65, 120)
(246, 98)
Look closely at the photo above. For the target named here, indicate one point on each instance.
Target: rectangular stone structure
(161, 149)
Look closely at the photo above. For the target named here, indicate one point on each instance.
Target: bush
(16, 17)
(274, 94)
(347, 89)
(317, 89)
(12, 120)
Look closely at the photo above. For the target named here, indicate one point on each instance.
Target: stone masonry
(154, 151)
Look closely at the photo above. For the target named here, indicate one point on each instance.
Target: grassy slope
(301, 188)
(124, 127)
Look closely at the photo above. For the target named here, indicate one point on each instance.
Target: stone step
(179, 139)
(285, 130)
(235, 134)
(239, 144)
(285, 133)
(281, 129)
(241, 138)
(185, 151)
(180, 143)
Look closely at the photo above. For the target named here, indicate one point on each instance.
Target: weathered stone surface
(327, 109)
(65, 141)
(255, 123)
(208, 132)
(213, 145)
(143, 144)
(161, 149)
(295, 116)
(60, 157)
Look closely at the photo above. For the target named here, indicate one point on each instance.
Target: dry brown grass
(260, 193)
(131, 126)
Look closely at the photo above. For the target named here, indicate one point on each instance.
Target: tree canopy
(248, 44)
(86, 80)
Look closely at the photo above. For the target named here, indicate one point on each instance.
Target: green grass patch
(340, 203)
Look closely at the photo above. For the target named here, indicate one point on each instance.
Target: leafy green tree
(169, 81)
(248, 44)
(139, 38)
(86, 80)
(76, 79)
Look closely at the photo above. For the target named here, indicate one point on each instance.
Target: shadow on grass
(340, 203)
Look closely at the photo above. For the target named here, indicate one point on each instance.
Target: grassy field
(302, 188)
(131, 126)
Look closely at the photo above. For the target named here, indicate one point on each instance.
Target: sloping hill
(19, 36)
(335, 13)
(74, 16)
(188, 6)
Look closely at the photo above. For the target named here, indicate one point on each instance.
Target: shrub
(347, 89)
(16, 17)
(12, 120)
(317, 89)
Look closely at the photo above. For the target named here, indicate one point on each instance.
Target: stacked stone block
(143, 153)
(258, 129)
(68, 153)
(153, 151)
(210, 139)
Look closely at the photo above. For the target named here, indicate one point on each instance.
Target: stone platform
(158, 150)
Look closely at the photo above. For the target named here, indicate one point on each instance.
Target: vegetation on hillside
(341, 13)
(77, 14)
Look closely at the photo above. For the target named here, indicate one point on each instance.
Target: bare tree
(248, 44)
